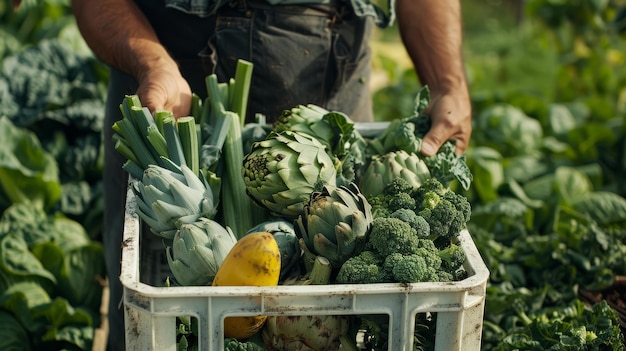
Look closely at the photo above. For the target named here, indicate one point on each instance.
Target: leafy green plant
(50, 274)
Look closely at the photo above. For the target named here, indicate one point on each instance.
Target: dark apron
(302, 54)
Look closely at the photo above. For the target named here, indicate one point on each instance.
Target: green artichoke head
(335, 223)
(282, 171)
(166, 199)
(305, 333)
(383, 169)
(198, 249)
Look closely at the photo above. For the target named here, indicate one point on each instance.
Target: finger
(181, 107)
(150, 99)
(432, 141)
(461, 146)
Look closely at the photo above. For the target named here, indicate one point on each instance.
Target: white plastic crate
(151, 309)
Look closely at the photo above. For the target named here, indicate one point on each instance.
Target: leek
(241, 89)
(222, 96)
(188, 137)
(174, 146)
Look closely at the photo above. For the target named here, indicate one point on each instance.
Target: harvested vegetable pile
(337, 206)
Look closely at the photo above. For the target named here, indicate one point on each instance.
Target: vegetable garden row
(548, 213)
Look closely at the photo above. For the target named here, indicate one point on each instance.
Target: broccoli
(428, 244)
(396, 195)
(390, 235)
(416, 221)
(452, 257)
(388, 264)
(425, 265)
(363, 268)
(412, 234)
(461, 203)
(398, 186)
(430, 185)
(430, 256)
(447, 213)
(394, 253)
(412, 268)
(401, 200)
(380, 205)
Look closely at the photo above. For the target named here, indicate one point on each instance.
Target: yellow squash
(253, 261)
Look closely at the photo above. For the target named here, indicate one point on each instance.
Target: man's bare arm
(432, 34)
(121, 36)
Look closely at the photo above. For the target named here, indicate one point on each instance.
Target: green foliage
(27, 172)
(50, 276)
(13, 334)
(548, 156)
(57, 94)
(576, 327)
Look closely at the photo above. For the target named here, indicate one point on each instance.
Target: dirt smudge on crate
(127, 242)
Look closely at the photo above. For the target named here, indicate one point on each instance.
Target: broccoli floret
(446, 220)
(431, 256)
(398, 186)
(396, 195)
(461, 203)
(363, 268)
(412, 269)
(389, 263)
(392, 235)
(443, 276)
(452, 257)
(426, 264)
(416, 221)
(459, 274)
(401, 200)
(428, 244)
(430, 185)
(380, 205)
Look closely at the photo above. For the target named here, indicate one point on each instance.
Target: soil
(615, 296)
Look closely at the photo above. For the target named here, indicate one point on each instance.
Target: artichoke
(198, 250)
(307, 333)
(285, 236)
(384, 168)
(333, 129)
(335, 224)
(282, 171)
(166, 199)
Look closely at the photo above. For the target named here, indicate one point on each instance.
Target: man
(303, 51)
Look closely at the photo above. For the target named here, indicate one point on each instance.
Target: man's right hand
(165, 89)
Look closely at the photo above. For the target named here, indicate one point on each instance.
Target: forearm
(120, 35)
(432, 34)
